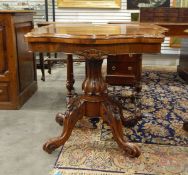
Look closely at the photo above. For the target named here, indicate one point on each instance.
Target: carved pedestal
(94, 102)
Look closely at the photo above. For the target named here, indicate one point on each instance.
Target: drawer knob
(1, 91)
(130, 55)
(113, 67)
(130, 68)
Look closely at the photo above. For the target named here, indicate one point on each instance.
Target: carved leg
(49, 66)
(70, 76)
(41, 58)
(74, 113)
(112, 114)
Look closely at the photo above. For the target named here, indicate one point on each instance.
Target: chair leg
(41, 58)
(49, 66)
(70, 76)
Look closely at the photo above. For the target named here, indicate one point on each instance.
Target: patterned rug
(164, 106)
(164, 100)
(85, 154)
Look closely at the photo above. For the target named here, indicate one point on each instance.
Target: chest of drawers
(124, 69)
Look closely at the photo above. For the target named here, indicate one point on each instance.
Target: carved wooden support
(70, 76)
(74, 113)
(112, 114)
(94, 102)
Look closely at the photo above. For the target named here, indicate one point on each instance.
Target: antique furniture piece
(17, 65)
(174, 19)
(184, 63)
(50, 61)
(125, 70)
(93, 43)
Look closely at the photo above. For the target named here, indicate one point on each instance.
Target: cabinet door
(3, 49)
(26, 62)
(4, 84)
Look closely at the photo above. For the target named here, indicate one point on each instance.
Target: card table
(94, 42)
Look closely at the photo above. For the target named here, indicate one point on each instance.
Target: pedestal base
(79, 107)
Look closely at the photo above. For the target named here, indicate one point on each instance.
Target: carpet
(164, 106)
(163, 142)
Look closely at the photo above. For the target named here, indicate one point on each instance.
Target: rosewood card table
(94, 42)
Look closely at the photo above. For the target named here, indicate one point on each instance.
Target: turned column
(94, 83)
(70, 76)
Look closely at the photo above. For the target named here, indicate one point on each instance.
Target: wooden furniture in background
(176, 20)
(93, 43)
(50, 60)
(17, 65)
(184, 64)
(126, 70)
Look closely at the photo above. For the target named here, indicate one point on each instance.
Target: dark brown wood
(17, 65)
(41, 60)
(164, 14)
(183, 63)
(70, 76)
(175, 19)
(94, 43)
(124, 69)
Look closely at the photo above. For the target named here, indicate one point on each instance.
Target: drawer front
(166, 19)
(119, 68)
(125, 57)
(183, 19)
(124, 64)
(146, 18)
(183, 12)
(166, 10)
(4, 92)
(121, 80)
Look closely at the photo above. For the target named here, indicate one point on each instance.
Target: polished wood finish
(17, 65)
(94, 43)
(124, 69)
(164, 14)
(183, 63)
(176, 20)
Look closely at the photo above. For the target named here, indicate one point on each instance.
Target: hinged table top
(96, 33)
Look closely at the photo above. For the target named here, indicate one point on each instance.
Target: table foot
(60, 118)
(74, 113)
(112, 114)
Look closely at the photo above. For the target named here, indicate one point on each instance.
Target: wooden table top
(97, 33)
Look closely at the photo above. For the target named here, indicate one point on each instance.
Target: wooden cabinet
(183, 63)
(17, 65)
(124, 69)
(161, 14)
(176, 21)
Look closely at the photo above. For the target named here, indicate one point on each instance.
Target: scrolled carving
(92, 54)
